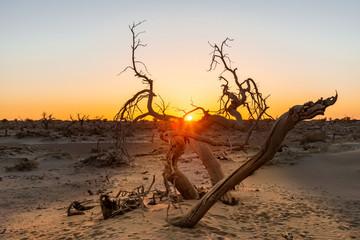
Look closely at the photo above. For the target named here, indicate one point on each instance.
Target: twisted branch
(231, 101)
(131, 107)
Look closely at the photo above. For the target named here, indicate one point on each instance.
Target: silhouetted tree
(248, 96)
(82, 119)
(46, 120)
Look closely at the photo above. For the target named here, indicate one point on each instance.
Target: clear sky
(63, 57)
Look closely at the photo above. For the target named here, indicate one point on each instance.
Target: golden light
(189, 118)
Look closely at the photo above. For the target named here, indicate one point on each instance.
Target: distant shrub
(60, 155)
(109, 158)
(24, 165)
(317, 136)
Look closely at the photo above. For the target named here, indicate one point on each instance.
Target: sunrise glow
(189, 118)
(63, 57)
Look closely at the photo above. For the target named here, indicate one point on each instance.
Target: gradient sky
(63, 57)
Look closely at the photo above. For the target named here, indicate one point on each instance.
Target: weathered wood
(183, 185)
(172, 173)
(271, 144)
(209, 120)
(213, 167)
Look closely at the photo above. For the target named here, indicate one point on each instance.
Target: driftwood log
(270, 146)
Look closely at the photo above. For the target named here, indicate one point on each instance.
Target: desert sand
(310, 189)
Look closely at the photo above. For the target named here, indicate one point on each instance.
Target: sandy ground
(311, 190)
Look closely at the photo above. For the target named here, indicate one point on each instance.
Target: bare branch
(195, 109)
(131, 107)
(247, 90)
(162, 107)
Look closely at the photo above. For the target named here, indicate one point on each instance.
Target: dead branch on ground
(77, 208)
(124, 201)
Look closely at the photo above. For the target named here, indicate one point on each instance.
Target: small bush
(110, 158)
(60, 155)
(313, 137)
(24, 165)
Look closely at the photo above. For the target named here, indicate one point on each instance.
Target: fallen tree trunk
(271, 144)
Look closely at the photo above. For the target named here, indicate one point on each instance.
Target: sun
(189, 118)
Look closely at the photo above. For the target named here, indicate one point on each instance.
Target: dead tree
(82, 119)
(270, 146)
(229, 104)
(131, 112)
(68, 130)
(248, 97)
(46, 120)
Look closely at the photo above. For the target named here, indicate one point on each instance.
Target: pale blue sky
(63, 56)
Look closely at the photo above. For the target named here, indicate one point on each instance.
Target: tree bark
(183, 185)
(213, 168)
(171, 172)
(209, 119)
(271, 144)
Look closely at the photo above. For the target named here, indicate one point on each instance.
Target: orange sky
(64, 57)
